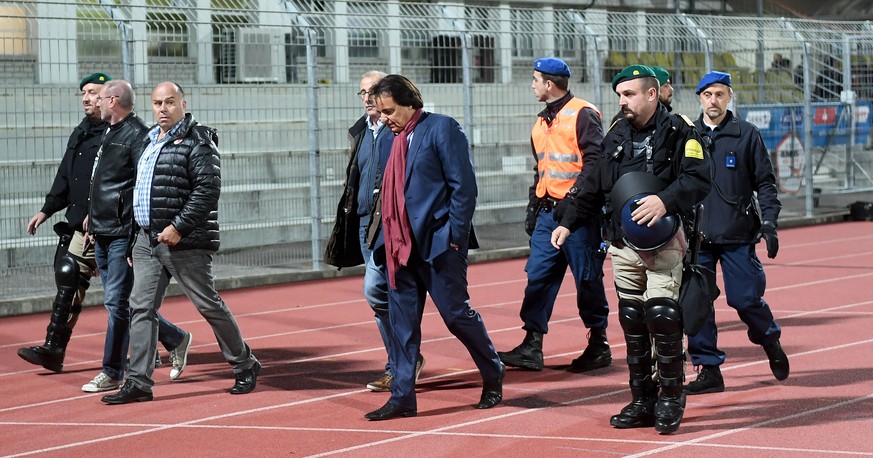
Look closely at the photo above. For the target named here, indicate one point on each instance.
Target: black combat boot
(709, 380)
(596, 354)
(640, 413)
(778, 360)
(58, 332)
(51, 354)
(527, 355)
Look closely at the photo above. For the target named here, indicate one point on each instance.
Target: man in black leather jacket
(176, 224)
(110, 216)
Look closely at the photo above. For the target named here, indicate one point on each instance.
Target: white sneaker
(179, 357)
(101, 382)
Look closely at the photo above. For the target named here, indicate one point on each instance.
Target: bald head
(168, 105)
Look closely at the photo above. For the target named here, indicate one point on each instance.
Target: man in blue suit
(428, 197)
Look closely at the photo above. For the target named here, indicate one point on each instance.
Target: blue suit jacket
(440, 186)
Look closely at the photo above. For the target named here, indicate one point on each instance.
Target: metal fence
(277, 79)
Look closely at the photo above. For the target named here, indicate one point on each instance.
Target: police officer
(567, 143)
(731, 227)
(73, 264)
(665, 91)
(647, 150)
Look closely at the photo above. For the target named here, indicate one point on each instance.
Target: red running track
(319, 346)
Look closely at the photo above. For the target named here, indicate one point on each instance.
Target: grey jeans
(192, 270)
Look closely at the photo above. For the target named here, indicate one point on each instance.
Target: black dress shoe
(127, 394)
(778, 360)
(492, 392)
(246, 380)
(389, 411)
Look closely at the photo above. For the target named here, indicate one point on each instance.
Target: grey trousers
(192, 270)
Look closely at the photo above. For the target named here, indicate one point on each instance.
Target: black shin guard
(640, 412)
(66, 278)
(664, 320)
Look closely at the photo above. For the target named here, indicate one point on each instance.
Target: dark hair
(650, 82)
(400, 89)
(561, 82)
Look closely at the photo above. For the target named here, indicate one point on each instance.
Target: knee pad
(67, 272)
(663, 316)
(632, 316)
(66, 279)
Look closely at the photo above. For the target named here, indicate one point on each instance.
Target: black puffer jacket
(186, 187)
(111, 200)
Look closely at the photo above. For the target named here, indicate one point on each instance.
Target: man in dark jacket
(73, 265)
(654, 170)
(358, 216)
(566, 142)
(176, 224)
(109, 222)
(732, 226)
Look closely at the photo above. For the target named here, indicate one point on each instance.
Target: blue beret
(96, 78)
(712, 78)
(662, 74)
(552, 66)
(632, 72)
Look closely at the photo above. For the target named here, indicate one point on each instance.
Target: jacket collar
(729, 126)
(552, 108)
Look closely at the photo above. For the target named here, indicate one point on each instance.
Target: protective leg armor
(664, 321)
(65, 312)
(641, 411)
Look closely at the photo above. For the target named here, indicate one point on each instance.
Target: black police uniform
(72, 275)
(678, 157)
(741, 166)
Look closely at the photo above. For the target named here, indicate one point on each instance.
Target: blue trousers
(376, 293)
(546, 267)
(744, 284)
(445, 278)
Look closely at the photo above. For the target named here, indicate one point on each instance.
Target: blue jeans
(376, 293)
(110, 253)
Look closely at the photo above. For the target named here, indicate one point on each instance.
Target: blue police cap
(552, 66)
(712, 78)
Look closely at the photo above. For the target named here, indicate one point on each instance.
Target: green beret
(96, 78)
(632, 72)
(662, 74)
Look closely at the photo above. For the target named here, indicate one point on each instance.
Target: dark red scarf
(395, 222)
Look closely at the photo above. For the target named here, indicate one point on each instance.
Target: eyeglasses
(362, 93)
(99, 98)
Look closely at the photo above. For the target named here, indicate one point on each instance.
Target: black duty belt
(550, 202)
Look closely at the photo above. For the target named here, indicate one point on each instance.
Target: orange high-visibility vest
(559, 160)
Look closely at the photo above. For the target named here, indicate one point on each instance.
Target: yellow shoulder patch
(612, 125)
(689, 121)
(693, 149)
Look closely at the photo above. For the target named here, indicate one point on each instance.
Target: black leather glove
(768, 232)
(530, 219)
